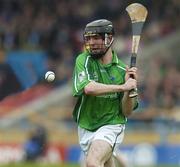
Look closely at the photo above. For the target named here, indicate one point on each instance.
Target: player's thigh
(110, 162)
(99, 151)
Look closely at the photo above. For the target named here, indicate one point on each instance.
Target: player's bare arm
(127, 102)
(95, 88)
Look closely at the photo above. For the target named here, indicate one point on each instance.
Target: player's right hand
(130, 84)
(131, 73)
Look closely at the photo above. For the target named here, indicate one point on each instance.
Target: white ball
(50, 76)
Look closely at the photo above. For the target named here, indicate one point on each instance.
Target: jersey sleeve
(81, 76)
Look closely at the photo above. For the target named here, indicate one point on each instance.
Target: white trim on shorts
(112, 134)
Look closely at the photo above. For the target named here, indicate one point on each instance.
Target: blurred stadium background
(41, 35)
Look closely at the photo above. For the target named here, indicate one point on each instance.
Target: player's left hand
(131, 72)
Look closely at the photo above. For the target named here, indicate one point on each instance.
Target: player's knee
(91, 164)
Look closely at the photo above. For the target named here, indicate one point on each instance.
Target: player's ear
(110, 38)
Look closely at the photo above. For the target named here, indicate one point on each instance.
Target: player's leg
(99, 153)
(110, 163)
(107, 136)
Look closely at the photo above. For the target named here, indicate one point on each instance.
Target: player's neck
(107, 58)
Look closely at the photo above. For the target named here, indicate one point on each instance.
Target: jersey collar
(114, 61)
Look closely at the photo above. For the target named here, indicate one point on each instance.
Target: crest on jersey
(81, 76)
(95, 76)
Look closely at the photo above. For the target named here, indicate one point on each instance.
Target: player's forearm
(128, 104)
(95, 88)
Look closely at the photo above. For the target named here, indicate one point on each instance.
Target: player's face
(94, 43)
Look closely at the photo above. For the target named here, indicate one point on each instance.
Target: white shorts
(112, 134)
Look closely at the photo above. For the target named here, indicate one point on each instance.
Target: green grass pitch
(38, 165)
(55, 165)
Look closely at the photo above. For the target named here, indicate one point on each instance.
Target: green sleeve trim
(81, 75)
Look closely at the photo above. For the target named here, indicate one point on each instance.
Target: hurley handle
(133, 92)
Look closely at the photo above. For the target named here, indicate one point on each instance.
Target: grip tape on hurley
(133, 60)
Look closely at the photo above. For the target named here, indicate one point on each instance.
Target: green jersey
(92, 112)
